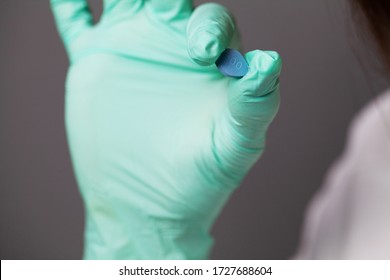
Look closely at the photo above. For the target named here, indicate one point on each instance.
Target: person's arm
(349, 218)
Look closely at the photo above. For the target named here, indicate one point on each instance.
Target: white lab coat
(349, 218)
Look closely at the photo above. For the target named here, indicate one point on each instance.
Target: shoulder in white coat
(349, 218)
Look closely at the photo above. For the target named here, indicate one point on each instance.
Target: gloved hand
(159, 138)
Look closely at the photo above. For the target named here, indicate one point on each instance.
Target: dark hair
(376, 17)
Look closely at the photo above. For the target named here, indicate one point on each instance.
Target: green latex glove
(159, 138)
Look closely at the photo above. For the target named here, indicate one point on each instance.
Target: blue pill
(231, 63)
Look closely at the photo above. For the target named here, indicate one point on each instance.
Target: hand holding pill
(159, 138)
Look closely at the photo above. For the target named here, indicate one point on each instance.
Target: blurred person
(349, 218)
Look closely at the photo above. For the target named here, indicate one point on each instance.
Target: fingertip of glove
(263, 76)
(264, 62)
(210, 31)
(204, 48)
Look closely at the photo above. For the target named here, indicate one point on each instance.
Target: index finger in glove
(253, 101)
(172, 9)
(72, 17)
(210, 31)
(119, 7)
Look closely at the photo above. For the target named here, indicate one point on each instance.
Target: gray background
(323, 86)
